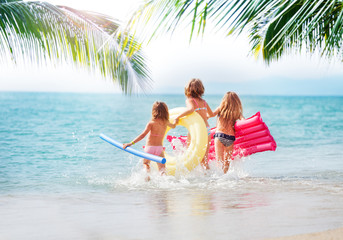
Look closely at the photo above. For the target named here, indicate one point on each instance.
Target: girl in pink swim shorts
(156, 129)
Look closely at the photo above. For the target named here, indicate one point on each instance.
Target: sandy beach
(333, 234)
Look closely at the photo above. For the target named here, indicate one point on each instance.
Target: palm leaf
(38, 32)
(274, 26)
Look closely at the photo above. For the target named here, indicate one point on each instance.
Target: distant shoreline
(333, 234)
(163, 94)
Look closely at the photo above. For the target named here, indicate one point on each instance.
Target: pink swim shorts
(155, 150)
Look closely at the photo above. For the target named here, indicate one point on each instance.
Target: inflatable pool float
(197, 147)
(252, 136)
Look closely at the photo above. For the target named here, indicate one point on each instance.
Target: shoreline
(332, 234)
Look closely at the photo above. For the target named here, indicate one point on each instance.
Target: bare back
(224, 127)
(158, 128)
(200, 106)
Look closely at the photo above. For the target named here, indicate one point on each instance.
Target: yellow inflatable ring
(198, 145)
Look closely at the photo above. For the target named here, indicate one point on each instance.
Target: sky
(222, 63)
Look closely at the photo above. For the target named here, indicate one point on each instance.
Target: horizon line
(164, 93)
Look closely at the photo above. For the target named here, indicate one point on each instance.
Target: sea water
(59, 180)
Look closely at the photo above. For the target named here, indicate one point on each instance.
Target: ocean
(59, 180)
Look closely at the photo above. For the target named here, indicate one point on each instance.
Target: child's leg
(220, 151)
(146, 164)
(161, 167)
(204, 161)
(228, 152)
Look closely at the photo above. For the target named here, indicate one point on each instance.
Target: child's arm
(172, 125)
(209, 111)
(189, 110)
(139, 137)
(212, 114)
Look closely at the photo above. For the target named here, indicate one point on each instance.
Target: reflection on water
(186, 203)
(202, 203)
(248, 200)
(185, 210)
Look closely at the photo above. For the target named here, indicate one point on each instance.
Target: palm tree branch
(66, 34)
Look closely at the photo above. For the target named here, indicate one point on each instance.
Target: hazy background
(223, 63)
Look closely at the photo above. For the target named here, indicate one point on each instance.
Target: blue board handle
(132, 150)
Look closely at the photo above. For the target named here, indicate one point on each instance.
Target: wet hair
(230, 109)
(194, 88)
(160, 111)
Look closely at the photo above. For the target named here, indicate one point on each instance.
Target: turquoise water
(59, 180)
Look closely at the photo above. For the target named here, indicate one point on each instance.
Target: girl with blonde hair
(229, 111)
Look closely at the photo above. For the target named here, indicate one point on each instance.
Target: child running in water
(194, 91)
(156, 129)
(229, 111)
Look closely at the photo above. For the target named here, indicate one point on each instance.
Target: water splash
(198, 178)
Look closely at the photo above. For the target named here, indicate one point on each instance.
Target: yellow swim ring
(198, 145)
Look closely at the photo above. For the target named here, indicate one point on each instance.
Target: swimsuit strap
(156, 135)
(195, 102)
(197, 109)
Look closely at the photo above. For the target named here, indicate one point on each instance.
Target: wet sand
(333, 234)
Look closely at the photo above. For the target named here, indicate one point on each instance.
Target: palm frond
(274, 26)
(39, 32)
